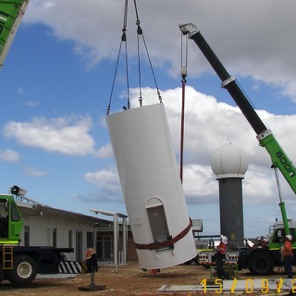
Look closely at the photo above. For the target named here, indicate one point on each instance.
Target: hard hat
(224, 239)
(289, 237)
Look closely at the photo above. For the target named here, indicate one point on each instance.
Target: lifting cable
(140, 33)
(184, 58)
(124, 40)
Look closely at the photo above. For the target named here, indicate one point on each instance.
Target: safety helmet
(224, 239)
(289, 237)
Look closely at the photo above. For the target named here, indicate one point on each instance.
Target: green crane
(11, 13)
(265, 137)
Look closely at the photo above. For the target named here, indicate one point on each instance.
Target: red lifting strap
(153, 246)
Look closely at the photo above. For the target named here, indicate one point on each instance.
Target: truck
(259, 261)
(21, 264)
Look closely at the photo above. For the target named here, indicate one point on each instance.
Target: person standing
(220, 258)
(92, 264)
(287, 253)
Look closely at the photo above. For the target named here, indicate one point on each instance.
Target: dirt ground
(128, 280)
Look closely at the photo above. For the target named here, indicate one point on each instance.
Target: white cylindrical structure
(151, 186)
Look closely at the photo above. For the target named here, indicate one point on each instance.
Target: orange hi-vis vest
(222, 248)
(287, 250)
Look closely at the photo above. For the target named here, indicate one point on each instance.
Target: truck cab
(277, 232)
(262, 260)
(10, 221)
(277, 240)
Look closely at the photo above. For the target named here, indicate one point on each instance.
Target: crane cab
(10, 221)
(277, 234)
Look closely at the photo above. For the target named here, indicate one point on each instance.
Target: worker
(221, 257)
(92, 264)
(264, 243)
(287, 254)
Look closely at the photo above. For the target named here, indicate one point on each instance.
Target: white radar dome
(229, 161)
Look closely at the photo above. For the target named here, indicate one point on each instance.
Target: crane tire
(24, 271)
(260, 263)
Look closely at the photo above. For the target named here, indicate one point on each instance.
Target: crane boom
(265, 137)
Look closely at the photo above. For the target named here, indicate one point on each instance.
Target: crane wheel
(24, 271)
(260, 263)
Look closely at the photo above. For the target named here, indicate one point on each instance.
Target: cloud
(99, 197)
(9, 155)
(20, 90)
(107, 180)
(105, 152)
(31, 103)
(64, 135)
(289, 90)
(199, 184)
(256, 48)
(209, 125)
(32, 172)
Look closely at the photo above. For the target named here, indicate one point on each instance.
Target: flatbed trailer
(20, 265)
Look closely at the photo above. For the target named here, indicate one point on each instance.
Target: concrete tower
(229, 164)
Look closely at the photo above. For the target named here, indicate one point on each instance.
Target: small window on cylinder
(158, 225)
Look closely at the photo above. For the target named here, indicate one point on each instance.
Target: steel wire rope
(140, 33)
(184, 60)
(123, 39)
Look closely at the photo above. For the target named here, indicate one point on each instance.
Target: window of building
(89, 239)
(48, 237)
(70, 235)
(54, 237)
(104, 248)
(78, 245)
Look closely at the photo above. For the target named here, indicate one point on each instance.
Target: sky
(57, 81)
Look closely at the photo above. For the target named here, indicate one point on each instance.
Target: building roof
(36, 209)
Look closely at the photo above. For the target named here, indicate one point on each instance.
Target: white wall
(41, 231)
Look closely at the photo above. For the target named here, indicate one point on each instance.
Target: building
(47, 226)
